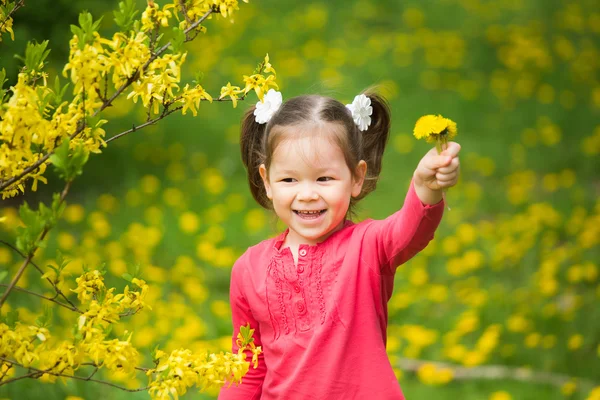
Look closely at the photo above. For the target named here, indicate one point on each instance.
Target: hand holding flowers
(435, 128)
(437, 172)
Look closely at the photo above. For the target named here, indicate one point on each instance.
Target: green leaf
(58, 207)
(85, 30)
(35, 55)
(34, 223)
(3, 274)
(60, 158)
(11, 318)
(125, 17)
(3, 80)
(178, 39)
(60, 259)
(198, 77)
(68, 167)
(59, 92)
(44, 320)
(78, 160)
(127, 277)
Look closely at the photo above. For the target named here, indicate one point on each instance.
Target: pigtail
(374, 140)
(252, 148)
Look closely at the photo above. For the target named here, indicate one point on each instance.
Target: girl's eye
(325, 179)
(287, 180)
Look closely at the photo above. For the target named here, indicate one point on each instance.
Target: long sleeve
(241, 315)
(396, 239)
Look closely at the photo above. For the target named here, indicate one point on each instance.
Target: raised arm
(396, 239)
(241, 315)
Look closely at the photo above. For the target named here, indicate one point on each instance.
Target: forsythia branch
(104, 105)
(36, 373)
(19, 273)
(18, 5)
(145, 124)
(153, 57)
(20, 289)
(56, 288)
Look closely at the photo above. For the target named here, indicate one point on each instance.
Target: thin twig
(184, 12)
(19, 273)
(56, 288)
(145, 124)
(18, 378)
(40, 372)
(18, 5)
(20, 289)
(6, 370)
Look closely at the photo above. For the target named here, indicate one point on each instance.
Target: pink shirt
(322, 323)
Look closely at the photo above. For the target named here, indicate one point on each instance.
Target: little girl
(317, 294)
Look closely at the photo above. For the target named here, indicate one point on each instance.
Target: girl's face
(310, 186)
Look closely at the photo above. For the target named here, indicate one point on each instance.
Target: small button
(300, 269)
(300, 306)
(297, 288)
(303, 252)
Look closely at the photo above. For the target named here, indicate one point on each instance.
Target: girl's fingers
(444, 185)
(453, 166)
(446, 177)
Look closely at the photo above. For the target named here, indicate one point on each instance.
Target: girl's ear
(262, 170)
(359, 178)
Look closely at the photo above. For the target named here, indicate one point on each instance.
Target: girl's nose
(307, 193)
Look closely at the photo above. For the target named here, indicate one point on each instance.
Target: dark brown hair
(258, 141)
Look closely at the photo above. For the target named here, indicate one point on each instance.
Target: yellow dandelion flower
(500, 395)
(435, 128)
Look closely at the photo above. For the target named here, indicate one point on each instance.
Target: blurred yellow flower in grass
(107, 203)
(99, 224)
(500, 395)
(220, 309)
(533, 340)
(255, 220)
(594, 394)
(176, 172)
(74, 213)
(575, 342)
(431, 374)
(568, 388)
(174, 197)
(149, 184)
(214, 234)
(235, 201)
(194, 289)
(189, 222)
(5, 256)
(65, 241)
(517, 323)
(74, 398)
(473, 358)
(419, 277)
(437, 293)
(213, 181)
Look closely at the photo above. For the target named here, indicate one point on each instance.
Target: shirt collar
(281, 237)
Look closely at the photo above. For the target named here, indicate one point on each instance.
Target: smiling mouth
(309, 214)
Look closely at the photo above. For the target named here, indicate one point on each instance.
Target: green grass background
(500, 69)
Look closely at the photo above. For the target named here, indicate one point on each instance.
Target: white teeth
(309, 212)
